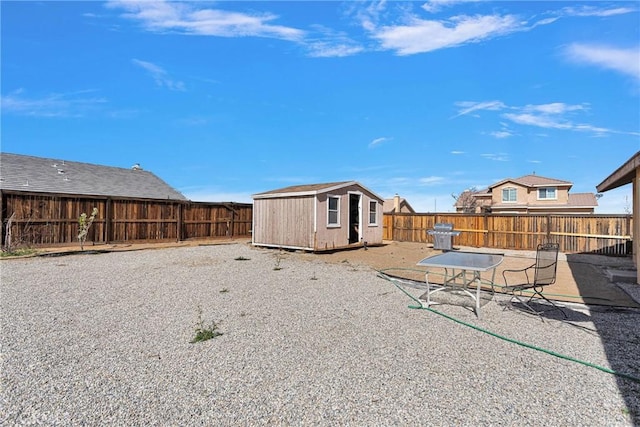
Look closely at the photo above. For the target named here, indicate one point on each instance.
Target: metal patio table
(470, 266)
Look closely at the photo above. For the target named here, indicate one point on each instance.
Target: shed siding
(286, 222)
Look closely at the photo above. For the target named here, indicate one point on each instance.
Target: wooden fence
(601, 234)
(47, 220)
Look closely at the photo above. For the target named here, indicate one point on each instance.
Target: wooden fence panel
(602, 234)
(210, 220)
(45, 219)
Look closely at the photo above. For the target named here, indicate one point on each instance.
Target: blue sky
(425, 99)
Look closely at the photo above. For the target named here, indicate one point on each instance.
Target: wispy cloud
(501, 134)
(430, 180)
(421, 35)
(555, 115)
(625, 61)
(379, 141)
(434, 6)
(497, 157)
(187, 18)
(597, 11)
(467, 107)
(457, 152)
(72, 104)
(159, 75)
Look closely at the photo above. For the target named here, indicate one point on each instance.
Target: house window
(333, 214)
(373, 212)
(548, 193)
(509, 195)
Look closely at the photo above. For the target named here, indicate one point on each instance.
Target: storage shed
(318, 217)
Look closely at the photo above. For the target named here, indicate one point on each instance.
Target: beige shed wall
(286, 222)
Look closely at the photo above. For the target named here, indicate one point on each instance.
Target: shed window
(373, 212)
(546, 193)
(509, 195)
(333, 214)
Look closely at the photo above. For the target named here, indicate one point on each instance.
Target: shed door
(354, 218)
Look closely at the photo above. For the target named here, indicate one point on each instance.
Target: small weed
(224, 290)
(204, 333)
(278, 260)
(314, 276)
(241, 258)
(17, 252)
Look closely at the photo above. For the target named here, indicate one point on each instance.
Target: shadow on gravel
(617, 327)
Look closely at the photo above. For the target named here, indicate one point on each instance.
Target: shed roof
(621, 176)
(41, 175)
(311, 190)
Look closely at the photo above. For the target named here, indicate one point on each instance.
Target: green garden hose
(383, 275)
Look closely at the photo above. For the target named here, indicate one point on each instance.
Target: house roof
(389, 205)
(42, 175)
(534, 181)
(621, 176)
(310, 190)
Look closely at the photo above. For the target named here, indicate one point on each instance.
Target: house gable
(530, 193)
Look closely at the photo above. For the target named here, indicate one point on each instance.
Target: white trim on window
(333, 214)
(373, 210)
(547, 193)
(511, 194)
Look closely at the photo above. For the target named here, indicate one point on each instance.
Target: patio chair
(538, 275)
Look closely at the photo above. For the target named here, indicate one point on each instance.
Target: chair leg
(555, 306)
(526, 303)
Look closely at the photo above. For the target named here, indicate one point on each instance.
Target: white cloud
(419, 35)
(160, 76)
(497, 157)
(625, 61)
(162, 16)
(555, 108)
(596, 11)
(379, 141)
(550, 116)
(501, 134)
(431, 180)
(543, 121)
(456, 152)
(73, 104)
(471, 106)
(434, 6)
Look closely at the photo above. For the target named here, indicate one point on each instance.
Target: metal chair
(544, 274)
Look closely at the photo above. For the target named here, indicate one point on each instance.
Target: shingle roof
(533, 181)
(42, 175)
(582, 200)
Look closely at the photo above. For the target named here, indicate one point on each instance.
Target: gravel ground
(104, 339)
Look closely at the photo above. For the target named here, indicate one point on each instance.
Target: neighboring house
(397, 205)
(527, 194)
(28, 174)
(318, 217)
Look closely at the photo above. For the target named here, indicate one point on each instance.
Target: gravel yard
(104, 339)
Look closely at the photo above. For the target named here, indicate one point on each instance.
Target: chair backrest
(546, 264)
